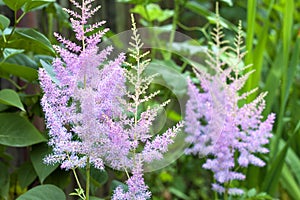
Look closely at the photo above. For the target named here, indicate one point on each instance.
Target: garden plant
(181, 99)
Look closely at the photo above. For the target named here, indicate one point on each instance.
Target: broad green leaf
(26, 174)
(30, 40)
(167, 72)
(38, 153)
(36, 4)
(11, 98)
(43, 192)
(4, 181)
(15, 4)
(3, 107)
(98, 177)
(4, 22)
(115, 183)
(59, 177)
(152, 12)
(9, 52)
(23, 59)
(17, 131)
(19, 70)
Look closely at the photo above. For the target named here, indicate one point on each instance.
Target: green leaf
(37, 155)
(168, 71)
(3, 107)
(59, 177)
(50, 71)
(23, 59)
(289, 182)
(36, 4)
(115, 183)
(30, 40)
(152, 12)
(9, 52)
(179, 193)
(4, 22)
(4, 181)
(26, 174)
(274, 173)
(15, 4)
(211, 16)
(19, 70)
(43, 192)
(11, 98)
(17, 131)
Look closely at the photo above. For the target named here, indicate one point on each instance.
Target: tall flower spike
(138, 126)
(216, 125)
(82, 95)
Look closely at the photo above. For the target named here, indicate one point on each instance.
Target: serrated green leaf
(16, 131)
(11, 98)
(43, 192)
(37, 155)
(36, 4)
(15, 4)
(4, 22)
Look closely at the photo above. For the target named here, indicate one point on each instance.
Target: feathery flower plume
(83, 93)
(216, 125)
(142, 147)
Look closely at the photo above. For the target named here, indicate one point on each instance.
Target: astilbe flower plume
(217, 126)
(92, 117)
(141, 146)
(83, 93)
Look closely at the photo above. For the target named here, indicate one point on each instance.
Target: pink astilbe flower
(82, 95)
(137, 189)
(91, 116)
(217, 126)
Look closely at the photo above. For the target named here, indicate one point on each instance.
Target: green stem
(50, 26)
(174, 25)
(17, 21)
(88, 174)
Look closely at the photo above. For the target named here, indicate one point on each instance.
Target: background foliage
(272, 32)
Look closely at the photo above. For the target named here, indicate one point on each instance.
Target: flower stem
(88, 170)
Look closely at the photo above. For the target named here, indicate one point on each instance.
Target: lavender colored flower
(91, 116)
(137, 189)
(83, 93)
(217, 126)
